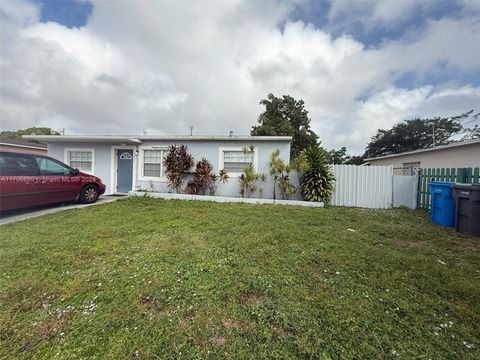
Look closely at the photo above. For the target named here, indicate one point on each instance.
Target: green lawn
(170, 279)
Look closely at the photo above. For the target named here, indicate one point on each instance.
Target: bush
(318, 181)
(204, 180)
(177, 162)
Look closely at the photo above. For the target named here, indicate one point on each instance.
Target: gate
(363, 186)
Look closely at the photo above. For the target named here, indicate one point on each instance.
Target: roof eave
(140, 139)
(419, 151)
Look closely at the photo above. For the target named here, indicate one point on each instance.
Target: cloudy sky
(116, 67)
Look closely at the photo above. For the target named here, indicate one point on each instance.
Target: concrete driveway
(23, 214)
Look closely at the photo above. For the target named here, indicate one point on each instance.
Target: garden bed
(226, 199)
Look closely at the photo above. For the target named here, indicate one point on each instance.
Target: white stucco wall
(103, 167)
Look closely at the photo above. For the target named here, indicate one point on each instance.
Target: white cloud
(164, 66)
(373, 13)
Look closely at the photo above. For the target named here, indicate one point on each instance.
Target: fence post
(419, 189)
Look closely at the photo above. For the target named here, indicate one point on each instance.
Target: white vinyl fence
(363, 186)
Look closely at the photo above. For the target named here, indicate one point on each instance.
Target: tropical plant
(279, 172)
(318, 181)
(248, 180)
(262, 178)
(177, 162)
(300, 163)
(286, 187)
(248, 149)
(204, 180)
(222, 177)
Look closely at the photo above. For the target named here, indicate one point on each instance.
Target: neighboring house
(126, 163)
(22, 146)
(455, 155)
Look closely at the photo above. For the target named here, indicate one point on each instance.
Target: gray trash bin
(467, 208)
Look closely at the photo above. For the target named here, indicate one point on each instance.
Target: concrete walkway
(23, 214)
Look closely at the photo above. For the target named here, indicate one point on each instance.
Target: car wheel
(89, 194)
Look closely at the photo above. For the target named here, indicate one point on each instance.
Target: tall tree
(415, 134)
(472, 132)
(338, 156)
(29, 131)
(285, 116)
(355, 160)
(341, 157)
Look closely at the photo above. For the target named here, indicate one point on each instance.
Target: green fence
(425, 176)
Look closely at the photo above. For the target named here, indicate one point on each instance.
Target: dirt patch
(217, 340)
(234, 324)
(47, 330)
(148, 303)
(28, 296)
(152, 307)
(280, 333)
(250, 298)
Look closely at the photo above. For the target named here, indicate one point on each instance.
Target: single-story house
(462, 154)
(22, 146)
(126, 163)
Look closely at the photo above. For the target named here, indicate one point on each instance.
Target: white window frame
(67, 161)
(142, 163)
(221, 162)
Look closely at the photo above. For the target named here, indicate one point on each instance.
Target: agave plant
(318, 181)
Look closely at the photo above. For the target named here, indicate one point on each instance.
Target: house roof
(22, 143)
(436, 148)
(139, 139)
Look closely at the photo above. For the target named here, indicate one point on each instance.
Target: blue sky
(120, 66)
(70, 13)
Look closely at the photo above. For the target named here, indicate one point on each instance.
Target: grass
(145, 278)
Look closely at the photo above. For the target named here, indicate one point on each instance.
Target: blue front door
(124, 170)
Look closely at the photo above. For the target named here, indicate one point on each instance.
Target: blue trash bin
(443, 203)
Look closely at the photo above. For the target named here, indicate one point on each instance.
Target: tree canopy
(341, 157)
(420, 134)
(285, 116)
(29, 131)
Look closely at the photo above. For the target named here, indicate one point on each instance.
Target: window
(80, 159)
(50, 167)
(15, 165)
(234, 161)
(153, 163)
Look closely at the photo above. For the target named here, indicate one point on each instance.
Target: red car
(30, 180)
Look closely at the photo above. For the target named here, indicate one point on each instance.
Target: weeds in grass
(162, 279)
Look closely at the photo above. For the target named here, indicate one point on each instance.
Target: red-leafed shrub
(177, 162)
(204, 180)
